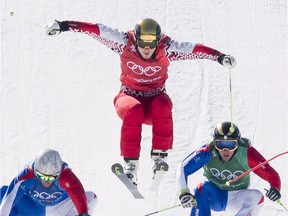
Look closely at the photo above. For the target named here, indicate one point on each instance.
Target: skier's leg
(245, 202)
(162, 122)
(209, 197)
(159, 112)
(67, 207)
(131, 112)
(3, 192)
(257, 209)
(92, 201)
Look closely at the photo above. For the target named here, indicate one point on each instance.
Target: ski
(118, 170)
(158, 174)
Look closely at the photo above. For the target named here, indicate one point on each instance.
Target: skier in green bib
(225, 158)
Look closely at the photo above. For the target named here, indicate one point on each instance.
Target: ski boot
(130, 169)
(158, 158)
(159, 168)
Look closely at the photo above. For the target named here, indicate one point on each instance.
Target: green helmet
(147, 30)
(227, 131)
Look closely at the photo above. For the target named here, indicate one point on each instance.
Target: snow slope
(58, 92)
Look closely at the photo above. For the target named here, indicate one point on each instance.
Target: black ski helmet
(147, 27)
(227, 131)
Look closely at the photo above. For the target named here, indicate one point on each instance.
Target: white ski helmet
(48, 162)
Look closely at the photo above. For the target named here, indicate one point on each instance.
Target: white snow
(58, 91)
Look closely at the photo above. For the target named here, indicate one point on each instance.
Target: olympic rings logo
(225, 174)
(138, 69)
(46, 196)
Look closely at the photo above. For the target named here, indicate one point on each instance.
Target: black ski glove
(273, 194)
(63, 25)
(83, 214)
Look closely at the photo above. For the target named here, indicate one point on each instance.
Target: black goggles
(147, 44)
(46, 178)
(230, 145)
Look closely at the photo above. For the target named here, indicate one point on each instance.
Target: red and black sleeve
(204, 49)
(265, 172)
(79, 26)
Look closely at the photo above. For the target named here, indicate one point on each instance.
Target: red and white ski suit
(142, 97)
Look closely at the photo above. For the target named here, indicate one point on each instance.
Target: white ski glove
(227, 60)
(187, 199)
(53, 28)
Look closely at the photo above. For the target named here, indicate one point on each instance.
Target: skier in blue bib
(47, 187)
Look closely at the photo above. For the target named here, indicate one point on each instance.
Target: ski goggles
(147, 43)
(46, 178)
(230, 145)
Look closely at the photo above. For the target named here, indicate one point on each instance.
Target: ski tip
(117, 168)
(162, 166)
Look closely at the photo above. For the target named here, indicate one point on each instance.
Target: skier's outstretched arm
(112, 38)
(187, 50)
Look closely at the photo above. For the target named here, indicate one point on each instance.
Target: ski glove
(187, 200)
(56, 27)
(227, 60)
(83, 214)
(273, 194)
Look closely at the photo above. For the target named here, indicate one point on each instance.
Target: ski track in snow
(58, 91)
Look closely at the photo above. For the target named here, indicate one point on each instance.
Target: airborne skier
(145, 55)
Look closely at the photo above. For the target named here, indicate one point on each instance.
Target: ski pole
(12, 14)
(254, 168)
(232, 128)
(163, 210)
(280, 203)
